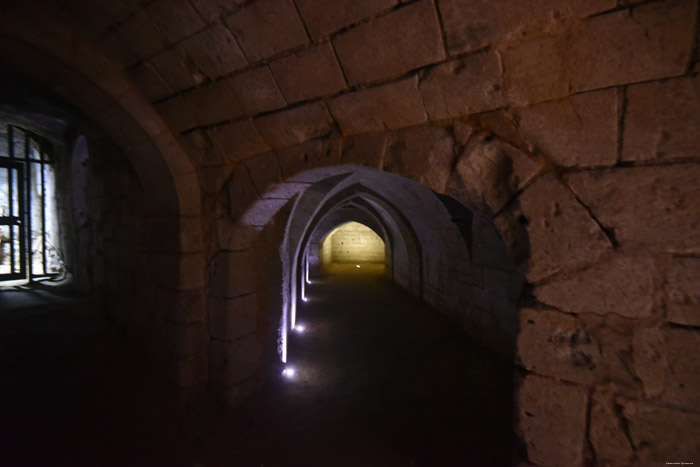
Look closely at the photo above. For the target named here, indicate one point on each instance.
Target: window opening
(28, 216)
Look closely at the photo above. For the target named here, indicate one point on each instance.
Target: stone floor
(380, 381)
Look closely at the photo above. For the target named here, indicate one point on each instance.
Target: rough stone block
(536, 70)
(661, 121)
(390, 46)
(176, 19)
(651, 42)
(309, 73)
(365, 150)
(214, 103)
(177, 69)
(682, 298)
(556, 344)
(492, 171)
(238, 140)
(176, 113)
(241, 194)
(202, 149)
(425, 153)
(293, 126)
(473, 24)
(652, 206)
(215, 51)
(231, 319)
(141, 36)
(606, 431)
(661, 434)
(552, 419)
(266, 28)
(649, 350)
(324, 18)
(264, 171)
(682, 386)
(624, 286)
(391, 106)
(150, 82)
(231, 274)
(561, 234)
(463, 86)
(214, 10)
(579, 131)
(309, 155)
(257, 91)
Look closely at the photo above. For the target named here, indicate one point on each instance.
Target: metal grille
(28, 224)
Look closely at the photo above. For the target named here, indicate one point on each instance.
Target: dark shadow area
(380, 381)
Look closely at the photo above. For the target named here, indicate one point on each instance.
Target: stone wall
(354, 243)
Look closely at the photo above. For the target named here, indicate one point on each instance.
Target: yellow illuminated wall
(352, 243)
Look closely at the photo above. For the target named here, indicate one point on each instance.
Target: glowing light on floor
(357, 265)
(299, 328)
(289, 372)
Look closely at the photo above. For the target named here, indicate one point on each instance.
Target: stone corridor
(379, 381)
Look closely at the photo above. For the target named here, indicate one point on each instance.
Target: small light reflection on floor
(289, 372)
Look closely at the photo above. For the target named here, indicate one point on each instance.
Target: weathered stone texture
(241, 194)
(150, 82)
(556, 344)
(231, 274)
(290, 127)
(177, 69)
(232, 318)
(579, 131)
(366, 150)
(176, 113)
(651, 42)
(624, 286)
(267, 27)
(176, 19)
(606, 431)
(141, 36)
(310, 73)
(662, 121)
(424, 153)
(472, 24)
(561, 234)
(654, 206)
(492, 171)
(323, 18)
(264, 171)
(649, 351)
(682, 288)
(683, 374)
(215, 51)
(239, 140)
(392, 45)
(214, 103)
(463, 86)
(536, 69)
(660, 433)
(391, 106)
(257, 91)
(546, 406)
(309, 155)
